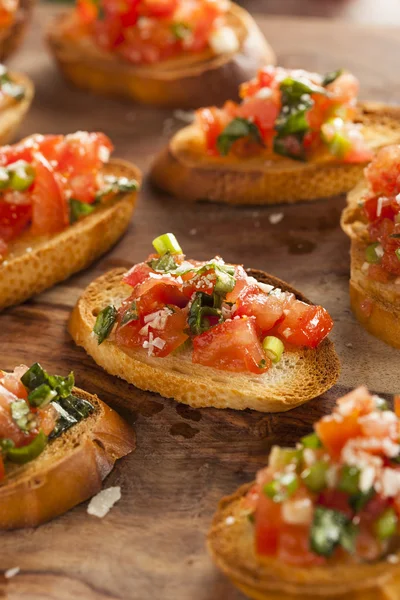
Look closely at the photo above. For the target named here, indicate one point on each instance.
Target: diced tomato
(204, 282)
(336, 500)
(267, 309)
(153, 294)
(335, 434)
(344, 88)
(173, 333)
(8, 428)
(128, 335)
(231, 346)
(264, 113)
(49, 206)
(158, 8)
(294, 547)
(47, 418)
(3, 249)
(12, 382)
(383, 173)
(305, 325)
(212, 122)
(14, 219)
(251, 499)
(137, 275)
(268, 522)
(87, 11)
(241, 282)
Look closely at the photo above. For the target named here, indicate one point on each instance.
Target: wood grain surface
(152, 544)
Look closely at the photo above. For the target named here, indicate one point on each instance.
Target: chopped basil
(9, 87)
(42, 395)
(262, 364)
(235, 130)
(104, 323)
(359, 500)
(131, 314)
(78, 209)
(291, 124)
(71, 410)
(331, 77)
(37, 380)
(164, 264)
(180, 30)
(329, 529)
(201, 308)
(115, 186)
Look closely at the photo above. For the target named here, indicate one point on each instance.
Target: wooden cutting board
(152, 544)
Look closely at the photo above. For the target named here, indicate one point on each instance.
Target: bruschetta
(294, 136)
(207, 333)
(171, 53)
(57, 444)
(14, 17)
(372, 221)
(16, 95)
(322, 520)
(63, 203)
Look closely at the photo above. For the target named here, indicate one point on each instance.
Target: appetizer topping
(10, 91)
(216, 312)
(49, 182)
(293, 113)
(337, 494)
(35, 407)
(8, 12)
(381, 209)
(150, 31)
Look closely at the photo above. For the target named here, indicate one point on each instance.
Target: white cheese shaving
(275, 218)
(224, 41)
(379, 251)
(104, 154)
(379, 207)
(287, 332)
(297, 512)
(367, 478)
(390, 481)
(393, 559)
(152, 343)
(398, 198)
(332, 476)
(365, 268)
(264, 287)
(12, 572)
(103, 502)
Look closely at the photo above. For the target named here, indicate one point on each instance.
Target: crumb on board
(102, 503)
(275, 218)
(12, 572)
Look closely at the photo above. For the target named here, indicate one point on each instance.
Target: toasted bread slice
(11, 37)
(184, 169)
(232, 547)
(36, 263)
(188, 81)
(376, 305)
(298, 377)
(70, 469)
(11, 118)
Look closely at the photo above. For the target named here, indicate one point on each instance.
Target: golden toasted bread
(70, 469)
(11, 37)
(36, 263)
(189, 81)
(184, 169)
(232, 547)
(299, 376)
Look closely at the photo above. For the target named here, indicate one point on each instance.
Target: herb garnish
(104, 323)
(329, 529)
(238, 128)
(180, 30)
(331, 77)
(203, 306)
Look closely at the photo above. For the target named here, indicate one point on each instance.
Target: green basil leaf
(104, 323)
(238, 128)
(131, 314)
(331, 77)
(164, 264)
(78, 209)
(329, 529)
(202, 306)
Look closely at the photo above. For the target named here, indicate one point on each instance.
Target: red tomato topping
(14, 219)
(231, 346)
(305, 325)
(49, 206)
(333, 437)
(267, 310)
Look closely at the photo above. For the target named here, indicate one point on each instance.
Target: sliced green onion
(4, 178)
(338, 144)
(5, 445)
(283, 488)
(42, 395)
(279, 457)
(311, 441)
(165, 263)
(30, 452)
(370, 253)
(314, 476)
(349, 480)
(104, 323)
(225, 281)
(386, 526)
(34, 377)
(79, 209)
(273, 348)
(167, 243)
(22, 175)
(115, 186)
(20, 413)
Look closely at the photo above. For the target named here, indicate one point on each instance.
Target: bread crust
(232, 547)
(11, 37)
(375, 305)
(35, 264)
(69, 471)
(184, 169)
(11, 118)
(300, 376)
(189, 81)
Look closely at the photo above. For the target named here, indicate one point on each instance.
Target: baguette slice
(37, 263)
(11, 37)
(185, 170)
(298, 377)
(70, 469)
(11, 118)
(232, 548)
(189, 81)
(376, 305)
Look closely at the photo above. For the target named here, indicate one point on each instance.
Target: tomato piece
(173, 333)
(383, 173)
(194, 282)
(334, 435)
(264, 113)
(137, 275)
(268, 523)
(211, 121)
(344, 88)
(8, 428)
(231, 346)
(241, 282)
(49, 207)
(336, 500)
(267, 309)
(305, 325)
(154, 294)
(128, 335)
(14, 219)
(12, 382)
(294, 546)
(87, 11)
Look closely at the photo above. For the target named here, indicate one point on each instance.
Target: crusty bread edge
(186, 86)
(31, 499)
(198, 392)
(231, 545)
(221, 181)
(71, 250)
